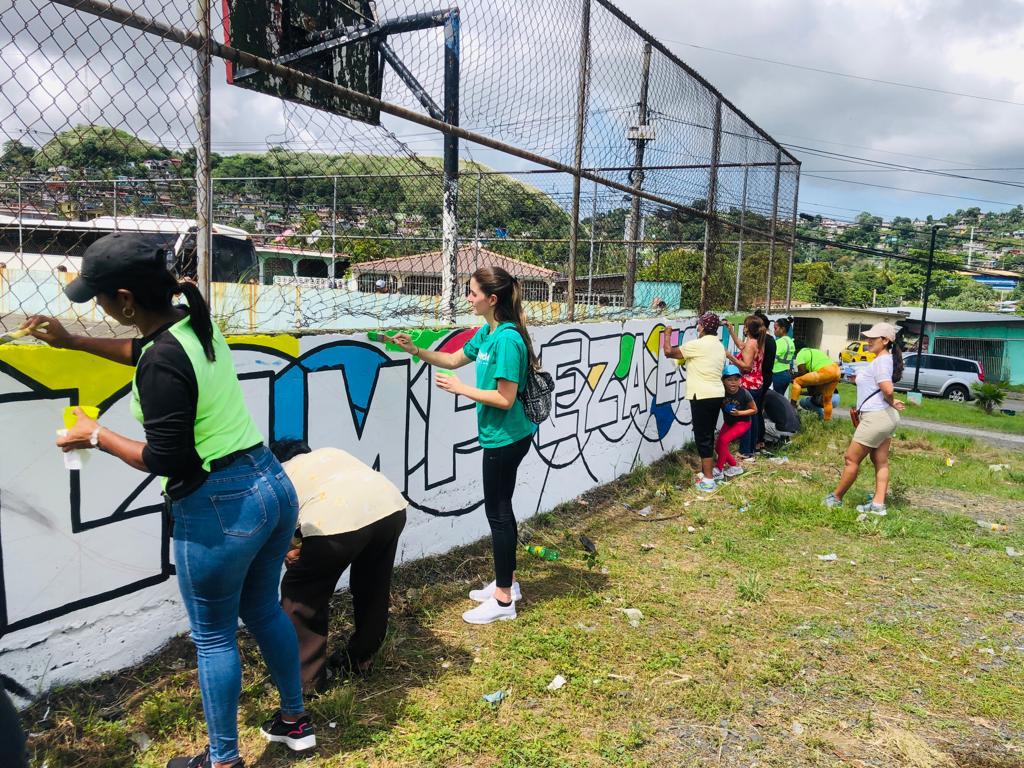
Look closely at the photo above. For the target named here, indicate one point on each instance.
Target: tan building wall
(834, 332)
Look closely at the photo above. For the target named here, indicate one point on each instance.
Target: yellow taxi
(856, 352)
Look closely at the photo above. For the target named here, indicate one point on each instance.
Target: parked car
(857, 352)
(942, 375)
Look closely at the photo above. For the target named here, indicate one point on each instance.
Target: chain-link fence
(367, 157)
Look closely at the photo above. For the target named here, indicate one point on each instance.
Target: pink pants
(726, 435)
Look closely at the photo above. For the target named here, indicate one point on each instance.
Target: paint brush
(20, 333)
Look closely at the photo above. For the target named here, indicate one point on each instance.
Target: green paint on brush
(425, 338)
(626, 343)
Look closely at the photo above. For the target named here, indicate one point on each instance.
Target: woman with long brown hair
(751, 362)
(504, 356)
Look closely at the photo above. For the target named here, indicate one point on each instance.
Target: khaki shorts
(876, 427)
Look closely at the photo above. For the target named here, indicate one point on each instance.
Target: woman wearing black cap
(234, 508)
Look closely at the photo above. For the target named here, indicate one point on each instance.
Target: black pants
(12, 736)
(308, 586)
(500, 467)
(705, 418)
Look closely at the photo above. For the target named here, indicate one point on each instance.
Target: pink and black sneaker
(297, 736)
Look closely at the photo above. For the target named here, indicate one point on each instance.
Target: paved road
(998, 439)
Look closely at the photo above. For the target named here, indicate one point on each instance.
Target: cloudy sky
(971, 47)
(519, 84)
(966, 46)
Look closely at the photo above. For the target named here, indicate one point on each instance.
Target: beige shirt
(338, 493)
(704, 359)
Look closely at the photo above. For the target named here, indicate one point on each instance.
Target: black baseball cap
(111, 259)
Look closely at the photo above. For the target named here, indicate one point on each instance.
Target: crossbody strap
(859, 407)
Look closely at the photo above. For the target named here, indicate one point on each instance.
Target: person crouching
(737, 410)
(349, 515)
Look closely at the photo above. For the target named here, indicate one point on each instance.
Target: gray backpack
(535, 393)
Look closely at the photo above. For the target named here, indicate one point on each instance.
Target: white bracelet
(94, 438)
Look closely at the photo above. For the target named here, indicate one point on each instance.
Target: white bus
(54, 245)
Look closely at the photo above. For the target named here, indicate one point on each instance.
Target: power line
(835, 73)
(914, 191)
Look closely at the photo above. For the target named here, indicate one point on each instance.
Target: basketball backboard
(325, 38)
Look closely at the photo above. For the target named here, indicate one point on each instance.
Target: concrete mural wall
(86, 575)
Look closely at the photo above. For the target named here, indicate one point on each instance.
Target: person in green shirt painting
(233, 507)
(503, 354)
(815, 369)
(785, 351)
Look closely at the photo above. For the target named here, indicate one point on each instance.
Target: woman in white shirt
(879, 416)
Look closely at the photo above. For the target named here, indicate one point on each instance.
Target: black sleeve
(769, 356)
(168, 393)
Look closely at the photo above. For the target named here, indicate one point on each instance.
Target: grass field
(907, 649)
(949, 412)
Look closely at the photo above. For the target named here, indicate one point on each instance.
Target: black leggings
(705, 412)
(500, 467)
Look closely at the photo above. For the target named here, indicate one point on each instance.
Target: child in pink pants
(737, 409)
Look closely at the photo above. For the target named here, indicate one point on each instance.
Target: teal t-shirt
(500, 355)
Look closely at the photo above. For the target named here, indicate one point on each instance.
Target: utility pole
(970, 249)
(204, 205)
(772, 225)
(924, 308)
(581, 127)
(450, 184)
(711, 223)
(739, 251)
(639, 134)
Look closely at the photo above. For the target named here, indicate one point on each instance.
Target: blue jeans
(230, 539)
(781, 381)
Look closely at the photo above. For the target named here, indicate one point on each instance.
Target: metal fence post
(449, 215)
(637, 179)
(334, 230)
(21, 236)
(739, 251)
(581, 127)
(771, 243)
(593, 234)
(204, 234)
(711, 223)
(792, 245)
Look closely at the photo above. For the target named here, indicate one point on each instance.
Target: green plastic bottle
(548, 553)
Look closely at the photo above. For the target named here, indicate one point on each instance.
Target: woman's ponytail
(519, 313)
(199, 316)
(897, 361)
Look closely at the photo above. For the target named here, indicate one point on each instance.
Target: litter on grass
(830, 557)
(992, 526)
(635, 616)
(557, 682)
(494, 698)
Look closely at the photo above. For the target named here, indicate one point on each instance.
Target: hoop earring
(127, 316)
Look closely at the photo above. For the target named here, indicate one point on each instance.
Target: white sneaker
(733, 471)
(489, 611)
(482, 595)
(717, 474)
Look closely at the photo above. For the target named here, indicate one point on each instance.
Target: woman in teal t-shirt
(503, 355)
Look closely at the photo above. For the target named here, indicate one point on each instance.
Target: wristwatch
(94, 438)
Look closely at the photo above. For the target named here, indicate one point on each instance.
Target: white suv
(942, 375)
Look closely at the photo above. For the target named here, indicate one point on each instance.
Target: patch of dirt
(947, 501)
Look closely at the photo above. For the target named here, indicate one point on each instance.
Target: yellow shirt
(338, 493)
(704, 359)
